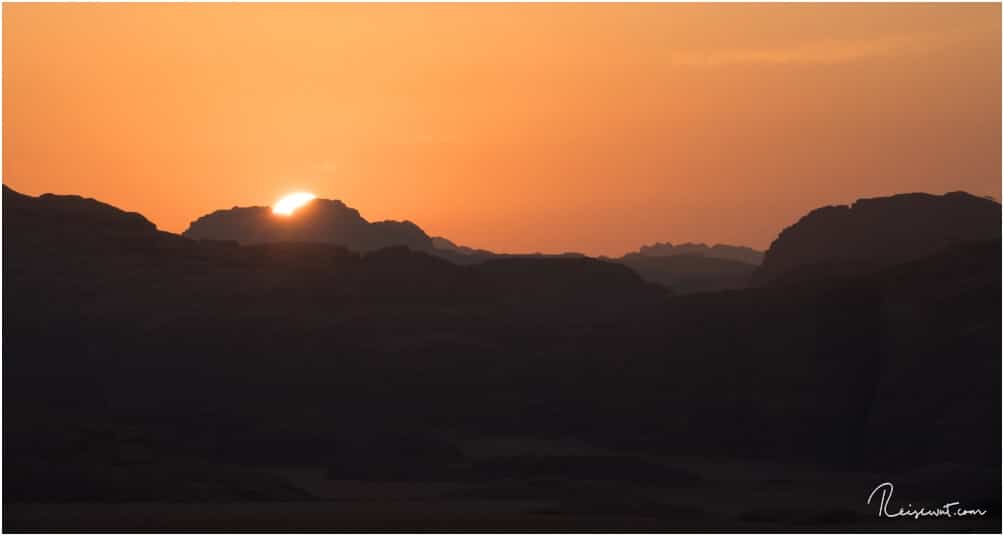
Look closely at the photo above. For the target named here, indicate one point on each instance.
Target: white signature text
(949, 509)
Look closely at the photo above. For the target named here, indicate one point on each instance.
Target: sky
(512, 127)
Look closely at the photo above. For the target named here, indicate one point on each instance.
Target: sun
(289, 203)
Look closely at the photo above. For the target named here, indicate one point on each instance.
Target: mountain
(684, 273)
(718, 251)
(694, 267)
(145, 366)
(683, 269)
(42, 232)
(874, 233)
(321, 220)
(332, 222)
(445, 246)
(51, 220)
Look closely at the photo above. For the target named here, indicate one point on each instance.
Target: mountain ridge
(873, 233)
(320, 220)
(171, 358)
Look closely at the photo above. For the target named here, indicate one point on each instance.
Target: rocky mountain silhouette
(145, 366)
(682, 269)
(58, 218)
(874, 233)
(332, 222)
(443, 245)
(718, 251)
(321, 220)
(687, 273)
(694, 267)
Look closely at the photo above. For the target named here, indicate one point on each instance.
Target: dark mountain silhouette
(321, 220)
(445, 246)
(682, 269)
(878, 232)
(332, 222)
(57, 220)
(690, 267)
(145, 366)
(684, 273)
(718, 251)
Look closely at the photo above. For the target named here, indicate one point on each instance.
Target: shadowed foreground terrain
(155, 381)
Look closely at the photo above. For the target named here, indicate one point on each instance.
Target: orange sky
(592, 128)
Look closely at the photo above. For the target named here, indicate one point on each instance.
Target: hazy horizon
(475, 246)
(514, 128)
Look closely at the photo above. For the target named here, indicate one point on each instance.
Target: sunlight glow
(288, 204)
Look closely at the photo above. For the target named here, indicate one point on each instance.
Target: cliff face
(321, 220)
(874, 233)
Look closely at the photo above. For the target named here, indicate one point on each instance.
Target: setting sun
(288, 204)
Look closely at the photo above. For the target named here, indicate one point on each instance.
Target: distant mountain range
(141, 365)
(865, 236)
(718, 251)
(693, 268)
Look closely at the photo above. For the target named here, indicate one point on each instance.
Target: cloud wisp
(831, 51)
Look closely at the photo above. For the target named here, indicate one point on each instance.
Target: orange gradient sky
(520, 128)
